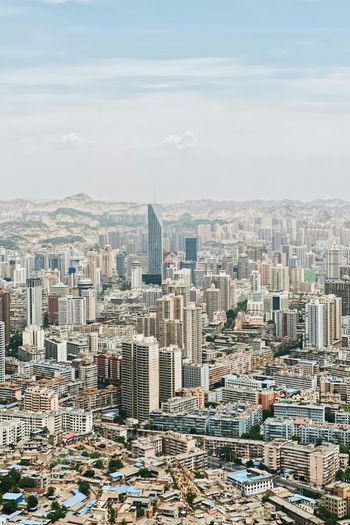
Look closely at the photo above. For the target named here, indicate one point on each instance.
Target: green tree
(57, 512)
(114, 465)
(9, 507)
(339, 475)
(84, 487)
(50, 492)
(112, 514)
(32, 502)
(89, 473)
(254, 433)
(145, 473)
(190, 497)
(98, 464)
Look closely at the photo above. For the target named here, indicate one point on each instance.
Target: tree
(114, 464)
(58, 512)
(98, 464)
(145, 473)
(9, 507)
(339, 475)
(50, 492)
(84, 487)
(89, 473)
(28, 483)
(250, 463)
(254, 433)
(32, 502)
(112, 514)
(190, 497)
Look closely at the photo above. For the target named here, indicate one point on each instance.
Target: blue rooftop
(243, 476)
(86, 508)
(116, 475)
(74, 500)
(122, 489)
(13, 496)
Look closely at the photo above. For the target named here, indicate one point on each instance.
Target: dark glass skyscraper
(191, 248)
(155, 241)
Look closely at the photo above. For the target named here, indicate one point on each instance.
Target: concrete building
(316, 465)
(34, 302)
(38, 399)
(192, 333)
(170, 372)
(140, 377)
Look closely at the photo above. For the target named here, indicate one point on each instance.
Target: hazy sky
(227, 99)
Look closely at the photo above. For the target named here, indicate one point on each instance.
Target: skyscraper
(170, 372)
(2, 351)
(136, 275)
(155, 243)
(192, 333)
(140, 376)
(85, 287)
(334, 260)
(5, 312)
(191, 248)
(34, 302)
(315, 324)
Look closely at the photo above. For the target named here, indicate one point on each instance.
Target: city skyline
(244, 100)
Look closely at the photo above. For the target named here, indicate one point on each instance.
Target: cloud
(68, 141)
(180, 142)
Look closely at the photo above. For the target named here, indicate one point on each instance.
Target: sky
(191, 99)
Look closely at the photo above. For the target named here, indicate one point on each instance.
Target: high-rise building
(93, 267)
(315, 323)
(34, 302)
(5, 302)
(107, 262)
(255, 281)
(286, 323)
(192, 333)
(136, 275)
(85, 288)
(2, 351)
(140, 377)
(155, 242)
(211, 298)
(191, 248)
(279, 278)
(334, 260)
(170, 372)
(340, 288)
(71, 311)
(33, 336)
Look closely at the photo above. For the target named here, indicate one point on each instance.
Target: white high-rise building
(255, 281)
(34, 302)
(85, 287)
(33, 336)
(192, 333)
(279, 278)
(140, 376)
(315, 318)
(71, 311)
(2, 351)
(170, 372)
(136, 275)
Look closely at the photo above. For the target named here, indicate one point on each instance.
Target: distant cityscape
(175, 364)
